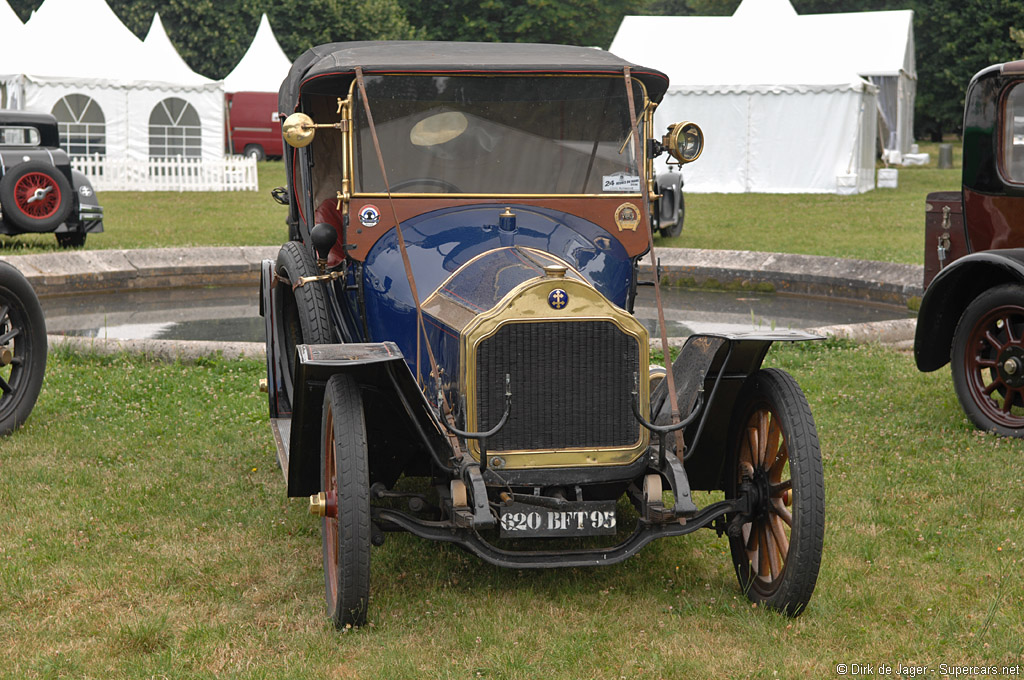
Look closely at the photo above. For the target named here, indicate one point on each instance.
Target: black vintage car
(972, 313)
(450, 345)
(39, 192)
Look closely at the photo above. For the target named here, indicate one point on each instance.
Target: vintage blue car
(450, 345)
(39, 191)
(972, 313)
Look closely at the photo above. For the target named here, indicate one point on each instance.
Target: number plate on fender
(582, 518)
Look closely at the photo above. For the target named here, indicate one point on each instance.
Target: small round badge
(558, 298)
(369, 216)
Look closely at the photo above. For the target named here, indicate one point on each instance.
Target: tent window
(82, 127)
(174, 130)
(1013, 134)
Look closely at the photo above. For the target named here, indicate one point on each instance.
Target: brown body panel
(945, 238)
(995, 221)
(600, 210)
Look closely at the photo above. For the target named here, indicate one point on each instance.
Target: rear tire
(301, 312)
(255, 151)
(777, 553)
(344, 477)
(987, 360)
(22, 348)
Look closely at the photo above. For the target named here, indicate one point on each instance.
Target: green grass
(145, 533)
(883, 224)
(164, 219)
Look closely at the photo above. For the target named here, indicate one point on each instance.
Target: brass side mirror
(298, 130)
(684, 142)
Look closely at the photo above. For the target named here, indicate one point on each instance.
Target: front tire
(987, 360)
(301, 312)
(71, 239)
(344, 477)
(775, 452)
(22, 348)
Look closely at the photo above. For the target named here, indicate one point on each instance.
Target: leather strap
(421, 331)
(638, 146)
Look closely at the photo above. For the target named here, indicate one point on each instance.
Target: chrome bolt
(1011, 365)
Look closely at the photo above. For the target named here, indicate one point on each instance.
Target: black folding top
(406, 56)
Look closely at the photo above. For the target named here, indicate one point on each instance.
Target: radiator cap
(555, 271)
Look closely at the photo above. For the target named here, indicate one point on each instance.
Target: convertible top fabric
(342, 58)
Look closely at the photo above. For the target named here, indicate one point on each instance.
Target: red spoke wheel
(36, 197)
(987, 360)
(777, 462)
(22, 348)
(345, 529)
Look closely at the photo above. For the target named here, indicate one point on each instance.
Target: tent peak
(757, 10)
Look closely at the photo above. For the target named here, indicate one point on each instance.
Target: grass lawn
(146, 535)
(884, 224)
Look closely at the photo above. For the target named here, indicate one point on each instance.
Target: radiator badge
(369, 216)
(558, 298)
(627, 217)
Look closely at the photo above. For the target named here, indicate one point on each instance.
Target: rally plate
(581, 518)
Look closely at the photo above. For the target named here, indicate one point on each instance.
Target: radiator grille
(572, 383)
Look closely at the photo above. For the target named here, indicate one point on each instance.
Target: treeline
(954, 38)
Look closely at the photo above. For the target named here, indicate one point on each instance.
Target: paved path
(70, 272)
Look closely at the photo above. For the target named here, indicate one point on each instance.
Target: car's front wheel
(300, 311)
(777, 464)
(987, 360)
(22, 348)
(71, 239)
(345, 528)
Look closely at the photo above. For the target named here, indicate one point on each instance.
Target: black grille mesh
(571, 385)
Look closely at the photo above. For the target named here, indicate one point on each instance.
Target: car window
(498, 135)
(1013, 134)
(19, 136)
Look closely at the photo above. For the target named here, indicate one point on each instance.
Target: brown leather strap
(673, 400)
(421, 331)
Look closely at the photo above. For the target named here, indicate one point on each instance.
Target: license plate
(582, 518)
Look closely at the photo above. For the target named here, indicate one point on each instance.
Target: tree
(570, 22)
(212, 35)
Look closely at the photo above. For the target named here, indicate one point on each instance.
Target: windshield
(497, 135)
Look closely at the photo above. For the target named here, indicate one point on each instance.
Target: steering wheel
(428, 181)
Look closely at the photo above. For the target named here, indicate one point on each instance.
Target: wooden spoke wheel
(777, 463)
(987, 360)
(22, 348)
(345, 529)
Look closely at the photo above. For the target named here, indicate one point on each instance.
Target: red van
(252, 124)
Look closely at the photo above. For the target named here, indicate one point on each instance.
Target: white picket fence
(231, 173)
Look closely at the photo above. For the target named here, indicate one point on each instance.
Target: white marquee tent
(779, 113)
(116, 96)
(264, 65)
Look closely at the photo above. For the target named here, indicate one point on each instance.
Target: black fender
(951, 291)
(403, 433)
(721, 364)
(87, 215)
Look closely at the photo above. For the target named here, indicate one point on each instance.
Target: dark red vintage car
(972, 314)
